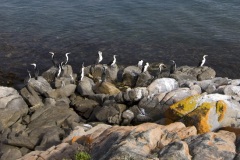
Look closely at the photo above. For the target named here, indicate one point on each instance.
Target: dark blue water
(155, 31)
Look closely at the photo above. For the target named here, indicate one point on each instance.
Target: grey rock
(144, 79)
(176, 151)
(162, 85)
(64, 91)
(232, 90)
(31, 97)
(21, 141)
(12, 107)
(83, 106)
(130, 75)
(127, 116)
(41, 86)
(50, 74)
(85, 87)
(207, 73)
(11, 154)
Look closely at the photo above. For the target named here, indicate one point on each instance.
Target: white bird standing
(203, 61)
(66, 60)
(36, 71)
(161, 65)
(145, 67)
(140, 63)
(100, 57)
(113, 62)
(82, 72)
(53, 60)
(59, 70)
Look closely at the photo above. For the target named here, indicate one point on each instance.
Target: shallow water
(155, 31)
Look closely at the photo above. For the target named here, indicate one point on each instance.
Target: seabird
(66, 60)
(100, 58)
(161, 66)
(60, 69)
(53, 60)
(113, 62)
(144, 69)
(203, 61)
(140, 63)
(103, 77)
(173, 67)
(26, 80)
(82, 72)
(36, 71)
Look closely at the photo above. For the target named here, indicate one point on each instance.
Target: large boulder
(12, 107)
(41, 86)
(106, 88)
(64, 91)
(162, 85)
(136, 142)
(144, 79)
(130, 75)
(31, 96)
(85, 87)
(193, 73)
(206, 112)
(220, 145)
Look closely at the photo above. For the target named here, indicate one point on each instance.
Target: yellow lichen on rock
(183, 107)
(221, 108)
(200, 117)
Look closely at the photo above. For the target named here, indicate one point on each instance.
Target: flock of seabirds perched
(80, 76)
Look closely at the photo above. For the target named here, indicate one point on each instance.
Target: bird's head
(162, 65)
(67, 53)
(51, 53)
(99, 53)
(205, 56)
(34, 64)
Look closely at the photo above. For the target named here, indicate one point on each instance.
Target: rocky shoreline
(189, 114)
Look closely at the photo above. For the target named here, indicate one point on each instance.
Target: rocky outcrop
(206, 112)
(12, 107)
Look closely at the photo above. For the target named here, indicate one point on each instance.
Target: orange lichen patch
(183, 107)
(85, 140)
(221, 108)
(199, 117)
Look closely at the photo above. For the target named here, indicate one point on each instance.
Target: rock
(106, 88)
(11, 154)
(85, 87)
(193, 73)
(162, 85)
(144, 79)
(50, 74)
(83, 106)
(207, 73)
(64, 81)
(206, 112)
(127, 116)
(64, 91)
(135, 142)
(135, 94)
(130, 75)
(52, 137)
(232, 90)
(211, 145)
(12, 107)
(41, 86)
(111, 112)
(31, 97)
(111, 73)
(21, 141)
(176, 150)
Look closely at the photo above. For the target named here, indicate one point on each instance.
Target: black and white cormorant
(60, 69)
(113, 62)
(36, 71)
(104, 75)
(26, 80)
(140, 64)
(82, 72)
(66, 60)
(144, 69)
(100, 57)
(161, 66)
(53, 60)
(202, 62)
(173, 67)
